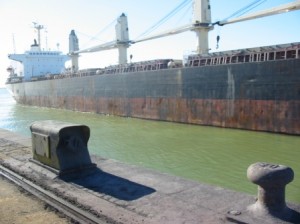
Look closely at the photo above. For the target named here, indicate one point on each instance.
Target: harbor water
(210, 155)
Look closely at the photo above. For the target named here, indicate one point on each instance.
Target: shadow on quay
(108, 184)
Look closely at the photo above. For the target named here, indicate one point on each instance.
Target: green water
(205, 154)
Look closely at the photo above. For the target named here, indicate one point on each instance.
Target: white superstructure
(37, 62)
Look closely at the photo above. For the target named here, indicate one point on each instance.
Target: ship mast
(122, 38)
(73, 47)
(38, 27)
(202, 24)
(121, 43)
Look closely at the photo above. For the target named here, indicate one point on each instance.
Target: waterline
(206, 154)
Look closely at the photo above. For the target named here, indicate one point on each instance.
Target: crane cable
(186, 12)
(240, 12)
(91, 38)
(246, 9)
(165, 18)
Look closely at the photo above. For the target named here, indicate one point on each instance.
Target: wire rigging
(166, 18)
(253, 7)
(239, 13)
(186, 12)
(92, 38)
(105, 28)
(246, 9)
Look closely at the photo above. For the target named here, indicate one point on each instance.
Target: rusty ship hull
(260, 96)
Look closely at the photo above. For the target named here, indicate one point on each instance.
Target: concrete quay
(120, 193)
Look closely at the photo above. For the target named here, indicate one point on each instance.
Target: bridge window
(280, 55)
(195, 62)
(291, 54)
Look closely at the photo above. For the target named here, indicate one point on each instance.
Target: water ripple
(212, 155)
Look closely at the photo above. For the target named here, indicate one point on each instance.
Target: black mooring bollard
(271, 180)
(61, 146)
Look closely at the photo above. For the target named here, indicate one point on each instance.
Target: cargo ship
(254, 89)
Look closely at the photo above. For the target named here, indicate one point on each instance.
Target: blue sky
(89, 17)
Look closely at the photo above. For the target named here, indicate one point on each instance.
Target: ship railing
(14, 79)
(258, 55)
(115, 69)
(141, 66)
(80, 73)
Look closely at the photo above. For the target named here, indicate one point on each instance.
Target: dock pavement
(122, 193)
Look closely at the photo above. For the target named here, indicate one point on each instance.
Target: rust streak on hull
(258, 115)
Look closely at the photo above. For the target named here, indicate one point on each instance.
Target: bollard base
(280, 213)
(250, 216)
(71, 173)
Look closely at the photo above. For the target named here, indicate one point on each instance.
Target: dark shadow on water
(109, 184)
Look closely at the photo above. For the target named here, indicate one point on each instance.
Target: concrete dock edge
(122, 193)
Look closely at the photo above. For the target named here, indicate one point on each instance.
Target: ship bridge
(38, 63)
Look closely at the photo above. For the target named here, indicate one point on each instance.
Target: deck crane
(201, 24)
(121, 43)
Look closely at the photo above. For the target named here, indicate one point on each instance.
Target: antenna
(38, 27)
(14, 43)
(46, 38)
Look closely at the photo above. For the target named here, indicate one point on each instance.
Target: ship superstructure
(38, 63)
